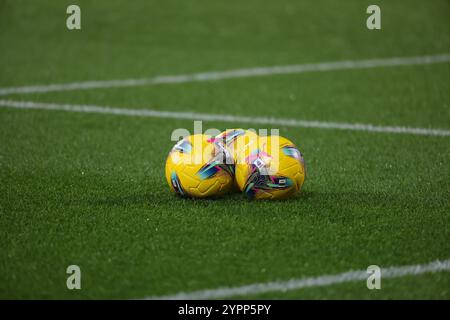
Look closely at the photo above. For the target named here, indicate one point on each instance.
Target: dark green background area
(121, 39)
(89, 189)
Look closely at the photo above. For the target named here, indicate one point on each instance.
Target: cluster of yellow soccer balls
(261, 167)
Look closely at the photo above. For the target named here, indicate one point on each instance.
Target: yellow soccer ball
(196, 168)
(272, 169)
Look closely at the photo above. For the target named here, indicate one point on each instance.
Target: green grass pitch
(89, 189)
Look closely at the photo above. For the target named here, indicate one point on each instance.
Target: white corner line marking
(221, 118)
(236, 73)
(296, 284)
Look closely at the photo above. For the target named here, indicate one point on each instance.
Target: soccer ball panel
(234, 141)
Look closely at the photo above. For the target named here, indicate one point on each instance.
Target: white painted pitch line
(221, 118)
(236, 73)
(296, 284)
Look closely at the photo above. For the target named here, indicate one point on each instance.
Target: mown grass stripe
(296, 284)
(222, 118)
(230, 74)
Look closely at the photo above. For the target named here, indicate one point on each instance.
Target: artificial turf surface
(89, 189)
